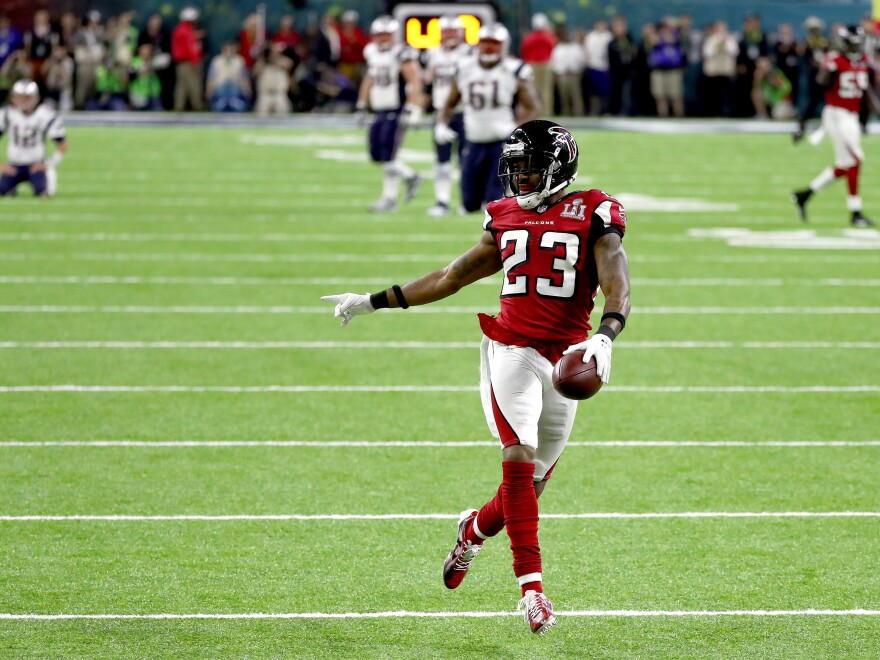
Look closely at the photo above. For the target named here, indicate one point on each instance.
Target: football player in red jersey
(555, 248)
(846, 74)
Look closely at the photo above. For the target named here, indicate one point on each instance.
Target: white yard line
(292, 517)
(373, 281)
(429, 309)
(435, 345)
(458, 444)
(301, 389)
(198, 257)
(406, 614)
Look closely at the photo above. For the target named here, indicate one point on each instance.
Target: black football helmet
(850, 40)
(538, 147)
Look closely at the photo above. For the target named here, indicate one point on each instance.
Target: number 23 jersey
(550, 278)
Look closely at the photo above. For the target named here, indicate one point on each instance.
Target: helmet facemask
(851, 41)
(530, 177)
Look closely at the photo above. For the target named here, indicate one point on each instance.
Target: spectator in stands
(621, 55)
(59, 78)
(111, 84)
(272, 72)
(720, 51)
(815, 47)
(88, 55)
(667, 71)
(38, 42)
(16, 67)
(786, 55)
(186, 51)
(293, 43)
(567, 63)
(352, 40)
(596, 47)
(752, 46)
(771, 93)
(229, 84)
(10, 39)
(155, 34)
(124, 40)
(145, 89)
(536, 49)
(68, 27)
(643, 101)
(692, 45)
(251, 40)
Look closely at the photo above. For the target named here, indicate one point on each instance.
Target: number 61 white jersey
(27, 133)
(487, 95)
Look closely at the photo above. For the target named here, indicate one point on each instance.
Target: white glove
(412, 114)
(361, 114)
(599, 347)
(54, 159)
(349, 305)
(443, 134)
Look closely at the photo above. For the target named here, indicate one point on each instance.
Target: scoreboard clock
(421, 22)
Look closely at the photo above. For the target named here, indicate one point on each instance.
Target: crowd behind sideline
(671, 68)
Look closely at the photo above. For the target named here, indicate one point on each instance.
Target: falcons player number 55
(852, 83)
(517, 285)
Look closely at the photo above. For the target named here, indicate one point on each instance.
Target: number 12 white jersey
(28, 133)
(488, 96)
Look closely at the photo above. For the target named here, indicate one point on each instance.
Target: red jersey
(849, 80)
(550, 278)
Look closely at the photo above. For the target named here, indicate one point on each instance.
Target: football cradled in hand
(575, 379)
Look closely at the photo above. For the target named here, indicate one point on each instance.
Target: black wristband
(399, 295)
(620, 318)
(379, 300)
(607, 331)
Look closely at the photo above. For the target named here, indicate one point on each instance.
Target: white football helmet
(451, 31)
(494, 44)
(25, 95)
(385, 31)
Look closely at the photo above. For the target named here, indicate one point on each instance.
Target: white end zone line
(329, 389)
(433, 516)
(405, 614)
(175, 444)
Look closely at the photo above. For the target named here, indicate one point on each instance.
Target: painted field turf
(195, 258)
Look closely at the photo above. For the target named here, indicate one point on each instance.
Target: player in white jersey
(29, 126)
(442, 63)
(489, 85)
(395, 105)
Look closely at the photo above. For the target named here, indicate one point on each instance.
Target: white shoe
(439, 210)
(383, 206)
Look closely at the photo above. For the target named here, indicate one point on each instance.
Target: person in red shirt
(555, 248)
(287, 35)
(186, 51)
(251, 40)
(846, 75)
(536, 49)
(352, 41)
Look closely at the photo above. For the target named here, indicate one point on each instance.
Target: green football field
(196, 460)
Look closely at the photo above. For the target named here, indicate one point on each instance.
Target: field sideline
(197, 461)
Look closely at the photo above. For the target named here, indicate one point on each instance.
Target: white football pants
(520, 403)
(843, 128)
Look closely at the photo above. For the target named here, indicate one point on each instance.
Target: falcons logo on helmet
(562, 137)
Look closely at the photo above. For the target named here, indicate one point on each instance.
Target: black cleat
(798, 135)
(858, 220)
(800, 198)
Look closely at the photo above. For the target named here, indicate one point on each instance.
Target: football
(575, 379)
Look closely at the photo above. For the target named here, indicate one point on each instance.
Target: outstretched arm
(480, 261)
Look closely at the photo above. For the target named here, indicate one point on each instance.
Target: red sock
(852, 179)
(490, 519)
(532, 586)
(838, 172)
(521, 516)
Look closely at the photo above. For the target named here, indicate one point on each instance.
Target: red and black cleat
(459, 560)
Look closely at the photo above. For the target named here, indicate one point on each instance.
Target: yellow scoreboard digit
(421, 22)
